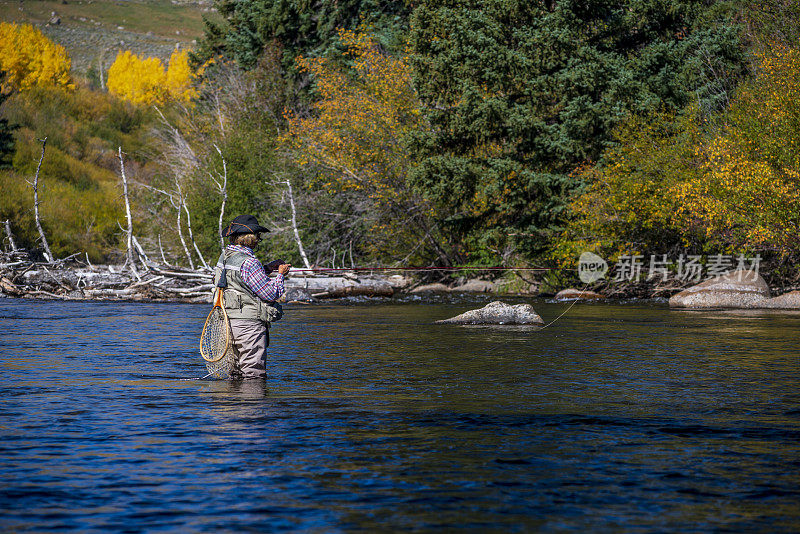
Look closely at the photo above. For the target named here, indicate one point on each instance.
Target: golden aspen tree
(29, 59)
(138, 80)
(353, 139)
(180, 77)
(146, 81)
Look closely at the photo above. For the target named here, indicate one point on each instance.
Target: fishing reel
(272, 266)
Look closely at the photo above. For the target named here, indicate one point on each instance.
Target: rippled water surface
(624, 417)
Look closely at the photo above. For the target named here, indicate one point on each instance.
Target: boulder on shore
(787, 301)
(398, 281)
(576, 294)
(736, 289)
(431, 288)
(476, 286)
(497, 313)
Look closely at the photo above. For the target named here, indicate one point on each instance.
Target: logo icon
(591, 267)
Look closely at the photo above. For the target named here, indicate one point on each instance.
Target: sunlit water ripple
(626, 417)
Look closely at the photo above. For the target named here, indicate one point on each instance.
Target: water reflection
(236, 389)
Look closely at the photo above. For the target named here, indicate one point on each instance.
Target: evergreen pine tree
(521, 92)
(299, 28)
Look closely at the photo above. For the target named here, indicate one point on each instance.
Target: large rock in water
(497, 313)
(736, 289)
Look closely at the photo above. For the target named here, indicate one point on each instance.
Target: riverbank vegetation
(430, 133)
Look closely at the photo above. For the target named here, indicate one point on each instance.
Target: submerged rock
(736, 289)
(497, 313)
(576, 294)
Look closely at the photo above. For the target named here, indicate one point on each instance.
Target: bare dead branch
(129, 230)
(180, 235)
(191, 235)
(294, 226)
(47, 254)
(223, 189)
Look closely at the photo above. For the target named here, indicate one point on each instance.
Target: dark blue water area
(619, 417)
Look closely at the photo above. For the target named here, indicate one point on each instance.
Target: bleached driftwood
(10, 236)
(74, 279)
(329, 287)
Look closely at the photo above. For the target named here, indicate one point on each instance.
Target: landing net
(215, 344)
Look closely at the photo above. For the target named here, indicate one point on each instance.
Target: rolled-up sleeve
(253, 274)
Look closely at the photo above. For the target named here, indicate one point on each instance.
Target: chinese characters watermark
(660, 268)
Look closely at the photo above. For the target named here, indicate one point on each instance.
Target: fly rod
(274, 265)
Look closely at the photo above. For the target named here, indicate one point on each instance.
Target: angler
(249, 297)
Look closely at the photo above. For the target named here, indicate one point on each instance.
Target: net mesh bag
(215, 342)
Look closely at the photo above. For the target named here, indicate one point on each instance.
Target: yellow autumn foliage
(673, 182)
(749, 188)
(29, 59)
(136, 79)
(146, 81)
(629, 204)
(356, 126)
(179, 77)
(353, 139)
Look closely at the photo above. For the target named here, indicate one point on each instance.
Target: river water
(618, 417)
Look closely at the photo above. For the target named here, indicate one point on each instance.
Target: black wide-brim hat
(243, 224)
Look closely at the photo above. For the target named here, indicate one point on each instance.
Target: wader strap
(224, 267)
(223, 277)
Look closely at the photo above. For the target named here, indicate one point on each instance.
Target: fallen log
(184, 275)
(47, 294)
(354, 291)
(338, 287)
(118, 293)
(80, 280)
(183, 291)
(13, 264)
(8, 287)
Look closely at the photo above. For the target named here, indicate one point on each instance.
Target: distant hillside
(94, 30)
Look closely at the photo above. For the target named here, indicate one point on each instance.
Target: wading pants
(250, 342)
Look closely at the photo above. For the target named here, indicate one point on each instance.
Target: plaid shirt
(256, 278)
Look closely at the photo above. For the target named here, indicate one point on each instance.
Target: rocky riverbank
(740, 289)
(75, 278)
